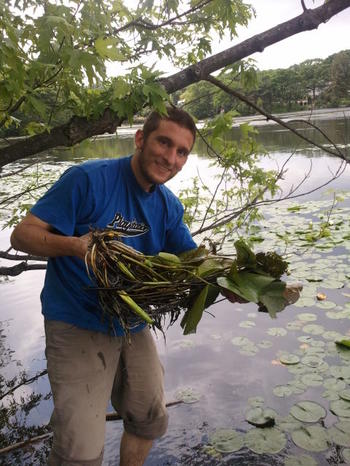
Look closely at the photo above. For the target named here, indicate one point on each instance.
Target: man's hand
(85, 242)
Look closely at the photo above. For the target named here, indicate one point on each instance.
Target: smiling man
(88, 358)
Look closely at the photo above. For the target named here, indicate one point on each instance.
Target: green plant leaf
(311, 438)
(226, 440)
(192, 317)
(308, 411)
(343, 343)
(269, 440)
(272, 297)
(261, 417)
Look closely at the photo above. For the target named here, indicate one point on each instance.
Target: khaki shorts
(86, 369)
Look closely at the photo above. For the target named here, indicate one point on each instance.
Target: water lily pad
(313, 329)
(326, 304)
(330, 395)
(256, 401)
(317, 343)
(308, 411)
(346, 455)
(277, 331)
(187, 395)
(340, 408)
(339, 433)
(334, 384)
(332, 284)
(302, 460)
(227, 440)
(305, 302)
(331, 335)
(282, 391)
(312, 361)
(240, 341)
(261, 417)
(307, 317)
(269, 440)
(289, 359)
(311, 438)
(247, 324)
(287, 423)
(305, 339)
(340, 372)
(345, 394)
(297, 386)
(249, 350)
(334, 315)
(265, 344)
(298, 369)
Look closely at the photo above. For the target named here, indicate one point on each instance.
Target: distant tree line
(314, 83)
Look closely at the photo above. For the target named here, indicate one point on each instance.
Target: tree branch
(15, 270)
(21, 257)
(78, 129)
(269, 116)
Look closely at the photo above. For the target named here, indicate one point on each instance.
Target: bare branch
(269, 116)
(21, 257)
(19, 268)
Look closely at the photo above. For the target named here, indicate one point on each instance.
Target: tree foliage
(54, 54)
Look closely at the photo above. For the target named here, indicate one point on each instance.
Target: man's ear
(139, 139)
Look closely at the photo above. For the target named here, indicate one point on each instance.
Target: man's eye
(183, 153)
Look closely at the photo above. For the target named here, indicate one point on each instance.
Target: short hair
(177, 115)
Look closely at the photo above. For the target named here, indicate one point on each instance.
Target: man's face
(162, 155)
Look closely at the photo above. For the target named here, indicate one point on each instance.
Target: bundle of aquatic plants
(159, 289)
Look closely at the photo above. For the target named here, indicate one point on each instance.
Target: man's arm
(36, 237)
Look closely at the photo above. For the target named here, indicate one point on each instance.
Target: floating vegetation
(187, 395)
(311, 438)
(268, 440)
(308, 411)
(261, 417)
(136, 288)
(227, 440)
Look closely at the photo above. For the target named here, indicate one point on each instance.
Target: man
(87, 362)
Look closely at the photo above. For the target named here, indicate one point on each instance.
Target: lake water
(224, 373)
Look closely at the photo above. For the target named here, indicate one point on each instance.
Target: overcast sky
(329, 38)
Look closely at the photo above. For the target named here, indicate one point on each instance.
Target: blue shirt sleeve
(179, 238)
(65, 204)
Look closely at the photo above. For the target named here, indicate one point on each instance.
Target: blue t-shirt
(103, 194)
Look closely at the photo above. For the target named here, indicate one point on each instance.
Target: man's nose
(171, 155)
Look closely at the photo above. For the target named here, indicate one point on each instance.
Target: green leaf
(311, 438)
(208, 267)
(193, 316)
(226, 440)
(272, 297)
(269, 440)
(245, 256)
(107, 48)
(261, 417)
(227, 284)
(308, 411)
(343, 343)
